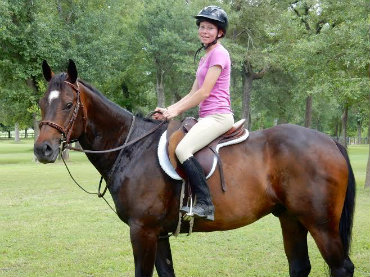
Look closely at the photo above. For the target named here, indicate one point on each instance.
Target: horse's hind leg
(330, 245)
(295, 245)
(163, 259)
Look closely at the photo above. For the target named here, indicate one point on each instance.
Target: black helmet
(215, 15)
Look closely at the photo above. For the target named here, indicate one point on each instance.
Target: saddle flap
(173, 125)
(206, 156)
(188, 123)
(172, 142)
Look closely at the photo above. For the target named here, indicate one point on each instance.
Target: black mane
(97, 92)
(58, 81)
(114, 106)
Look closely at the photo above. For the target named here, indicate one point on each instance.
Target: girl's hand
(165, 113)
(160, 115)
(170, 113)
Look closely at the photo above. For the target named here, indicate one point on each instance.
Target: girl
(210, 91)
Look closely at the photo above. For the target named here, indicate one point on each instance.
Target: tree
(367, 180)
(249, 32)
(312, 56)
(23, 46)
(167, 39)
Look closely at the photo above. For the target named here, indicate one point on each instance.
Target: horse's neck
(107, 127)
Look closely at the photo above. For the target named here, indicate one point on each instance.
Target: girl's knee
(182, 153)
(178, 150)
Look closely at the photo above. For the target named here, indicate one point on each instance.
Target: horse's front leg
(163, 259)
(144, 245)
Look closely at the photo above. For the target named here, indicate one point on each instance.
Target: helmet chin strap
(205, 47)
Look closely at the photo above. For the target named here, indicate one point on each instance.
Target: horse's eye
(68, 106)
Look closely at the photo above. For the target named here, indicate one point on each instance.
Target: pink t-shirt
(219, 99)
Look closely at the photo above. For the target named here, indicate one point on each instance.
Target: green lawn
(49, 227)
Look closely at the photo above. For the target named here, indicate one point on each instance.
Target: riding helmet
(215, 15)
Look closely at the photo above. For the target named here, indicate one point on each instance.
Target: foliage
(324, 47)
(308, 47)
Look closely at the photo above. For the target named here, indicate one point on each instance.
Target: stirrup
(189, 215)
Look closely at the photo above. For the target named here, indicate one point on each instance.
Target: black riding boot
(204, 207)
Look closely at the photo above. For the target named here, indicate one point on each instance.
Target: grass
(49, 227)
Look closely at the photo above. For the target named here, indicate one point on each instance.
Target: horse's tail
(346, 220)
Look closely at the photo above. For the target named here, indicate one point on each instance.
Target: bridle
(67, 130)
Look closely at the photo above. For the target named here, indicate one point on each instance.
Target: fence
(30, 134)
(22, 134)
(356, 140)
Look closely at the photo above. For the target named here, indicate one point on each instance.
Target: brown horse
(300, 175)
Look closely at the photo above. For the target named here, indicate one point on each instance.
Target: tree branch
(260, 74)
(304, 21)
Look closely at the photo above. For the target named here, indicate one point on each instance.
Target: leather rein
(66, 139)
(67, 131)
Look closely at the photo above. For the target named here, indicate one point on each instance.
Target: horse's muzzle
(46, 152)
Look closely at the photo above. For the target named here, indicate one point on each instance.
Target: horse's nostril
(45, 152)
(46, 149)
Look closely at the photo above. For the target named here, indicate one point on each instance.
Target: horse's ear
(46, 70)
(72, 71)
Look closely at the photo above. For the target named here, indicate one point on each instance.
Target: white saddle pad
(166, 165)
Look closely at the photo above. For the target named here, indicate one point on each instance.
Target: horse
(300, 175)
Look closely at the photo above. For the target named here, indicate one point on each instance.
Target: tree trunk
(59, 7)
(339, 127)
(247, 88)
(126, 96)
(25, 133)
(336, 132)
(344, 126)
(36, 132)
(308, 114)
(36, 129)
(31, 82)
(248, 77)
(359, 131)
(160, 88)
(16, 132)
(9, 135)
(367, 180)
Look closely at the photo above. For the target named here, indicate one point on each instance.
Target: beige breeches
(206, 130)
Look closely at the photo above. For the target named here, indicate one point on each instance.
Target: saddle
(208, 157)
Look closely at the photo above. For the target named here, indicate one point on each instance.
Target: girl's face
(208, 32)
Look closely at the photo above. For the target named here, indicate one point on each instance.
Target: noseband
(67, 130)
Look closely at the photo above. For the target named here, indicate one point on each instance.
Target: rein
(126, 144)
(67, 132)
